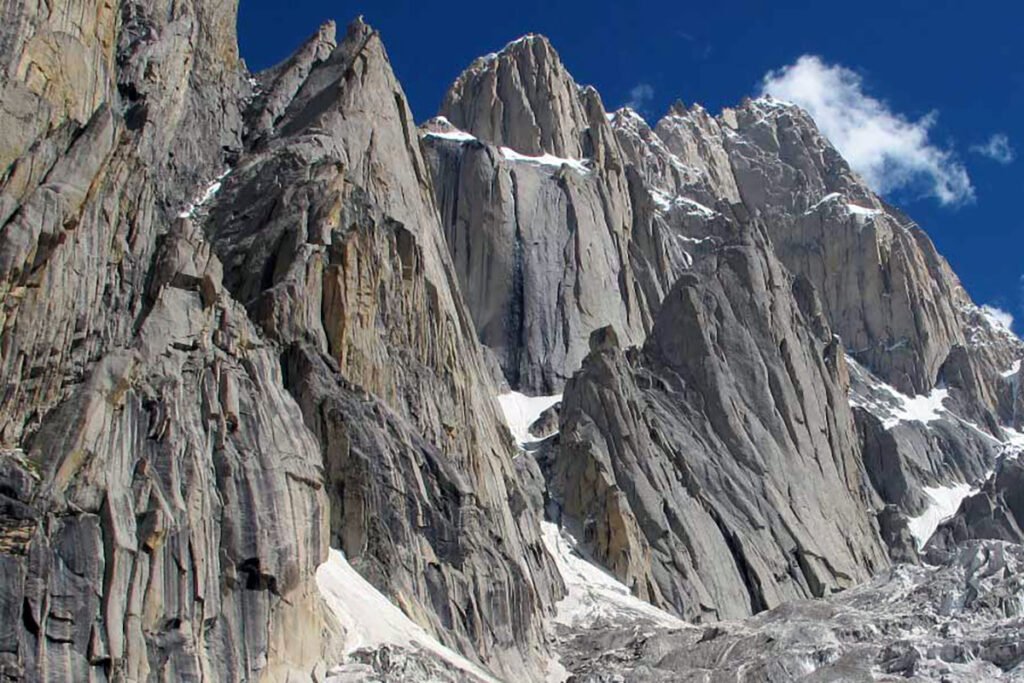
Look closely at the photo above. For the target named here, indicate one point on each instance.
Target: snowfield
(521, 411)
(897, 407)
(592, 593)
(945, 502)
(371, 620)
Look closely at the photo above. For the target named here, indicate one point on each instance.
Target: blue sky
(946, 78)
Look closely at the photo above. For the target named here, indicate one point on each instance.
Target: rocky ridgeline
(247, 317)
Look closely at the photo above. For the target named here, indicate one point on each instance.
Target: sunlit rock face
(294, 389)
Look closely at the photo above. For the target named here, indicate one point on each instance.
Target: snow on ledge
(371, 620)
(205, 196)
(945, 502)
(902, 408)
(521, 411)
(545, 159)
(862, 210)
(441, 128)
(821, 202)
(455, 135)
(853, 209)
(592, 593)
(693, 208)
(1013, 370)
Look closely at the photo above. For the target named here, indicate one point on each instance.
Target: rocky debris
(960, 621)
(393, 664)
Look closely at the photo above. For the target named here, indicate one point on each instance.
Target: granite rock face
(329, 232)
(516, 144)
(163, 501)
(892, 298)
(708, 471)
(250, 316)
(995, 512)
(183, 438)
(541, 241)
(522, 98)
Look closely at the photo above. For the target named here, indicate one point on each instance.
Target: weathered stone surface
(895, 532)
(329, 234)
(892, 298)
(547, 423)
(709, 470)
(277, 86)
(995, 512)
(242, 318)
(168, 510)
(523, 98)
(535, 283)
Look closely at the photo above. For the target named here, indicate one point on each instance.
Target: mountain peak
(522, 97)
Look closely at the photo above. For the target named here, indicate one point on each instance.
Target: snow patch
(205, 196)
(371, 620)
(591, 593)
(945, 502)
(693, 208)
(821, 202)
(521, 411)
(862, 210)
(772, 102)
(443, 129)
(997, 317)
(455, 135)
(854, 209)
(1014, 369)
(546, 159)
(897, 407)
(1014, 439)
(923, 409)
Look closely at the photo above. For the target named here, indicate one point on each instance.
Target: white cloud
(640, 95)
(997, 148)
(998, 316)
(888, 150)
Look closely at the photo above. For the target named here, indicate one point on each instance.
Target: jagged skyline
(971, 108)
